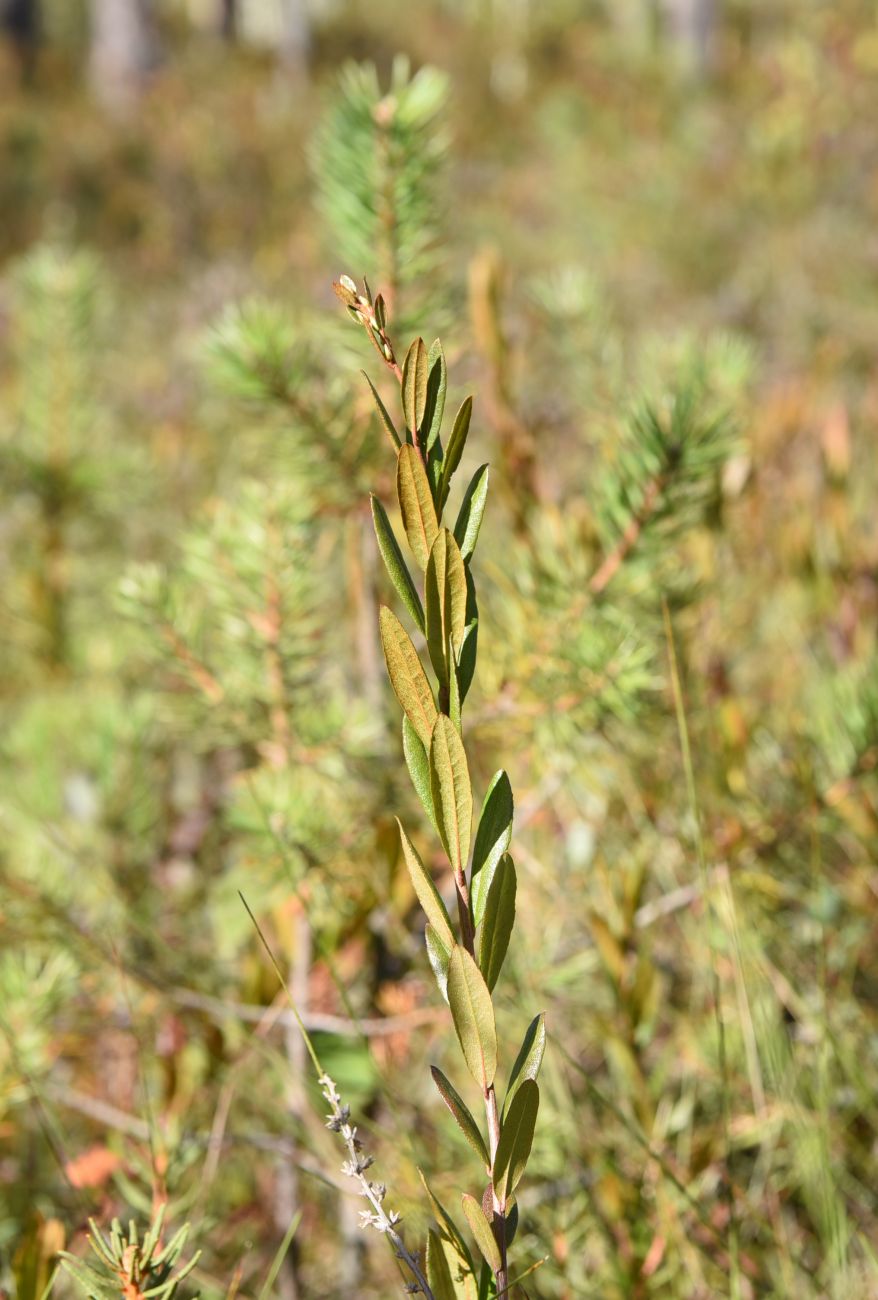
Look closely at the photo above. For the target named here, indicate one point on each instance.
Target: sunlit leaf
(395, 563)
(493, 837)
(446, 594)
(529, 1059)
(462, 1115)
(498, 921)
(414, 385)
(416, 503)
(482, 1231)
(473, 1014)
(452, 793)
(469, 518)
(407, 676)
(516, 1139)
(428, 894)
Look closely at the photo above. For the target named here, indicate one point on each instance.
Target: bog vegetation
(296, 1000)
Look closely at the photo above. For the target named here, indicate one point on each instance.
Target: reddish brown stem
(626, 543)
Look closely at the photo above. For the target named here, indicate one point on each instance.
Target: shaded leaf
(407, 676)
(428, 894)
(516, 1138)
(482, 1231)
(437, 385)
(383, 413)
(498, 922)
(395, 563)
(416, 503)
(493, 837)
(529, 1059)
(473, 1014)
(459, 1109)
(439, 957)
(452, 793)
(456, 444)
(469, 518)
(414, 385)
(418, 764)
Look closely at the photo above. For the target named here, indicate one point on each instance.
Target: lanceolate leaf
(383, 413)
(395, 564)
(516, 1137)
(418, 764)
(493, 838)
(469, 519)
(482, 1231)
(428, 894)
(407, 676)
(468, 649)
(498, 922)
(438, 1272)
(416, 503)
(466, 666)
(529, 1059)
(437, 384)
(456, 444)
(447, 1227)
(414, 385)
(445, 592)
(452, 793)
(462, 1115)
(439, 957)
(473, 1014)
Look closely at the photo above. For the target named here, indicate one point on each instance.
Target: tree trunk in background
(122, 51)
(295, 38)
(693, 24)
(229, 19)
(21, 20)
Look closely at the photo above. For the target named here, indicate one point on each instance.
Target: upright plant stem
(707, 894)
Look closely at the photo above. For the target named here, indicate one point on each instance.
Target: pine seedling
(377, 161)
(467, 956)
(132, 1268)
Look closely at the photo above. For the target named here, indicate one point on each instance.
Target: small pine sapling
(466, 957)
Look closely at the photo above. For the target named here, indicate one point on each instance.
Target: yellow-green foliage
(652, 271)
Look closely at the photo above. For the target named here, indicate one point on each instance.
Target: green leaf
(468, 649)
(529, 1059)
(469, 519)
(473, 1014)
(407, 676)
(418, 764)
(383, 412)
(482, 1231)
(445, 592)
(456, 444)
(416, 503)
(437, 385)
(466, 666)
(498, 922)
(414, 385)
(428, 894)
(493, 838)
(438, 1272)
(439, 957)
(468, 1126)
(395, 563)
(516, 1138)
(452, 793)
(448, 1229)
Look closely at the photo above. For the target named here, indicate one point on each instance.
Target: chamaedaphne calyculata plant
(466, 953)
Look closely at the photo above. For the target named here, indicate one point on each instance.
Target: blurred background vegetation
(646, 230)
